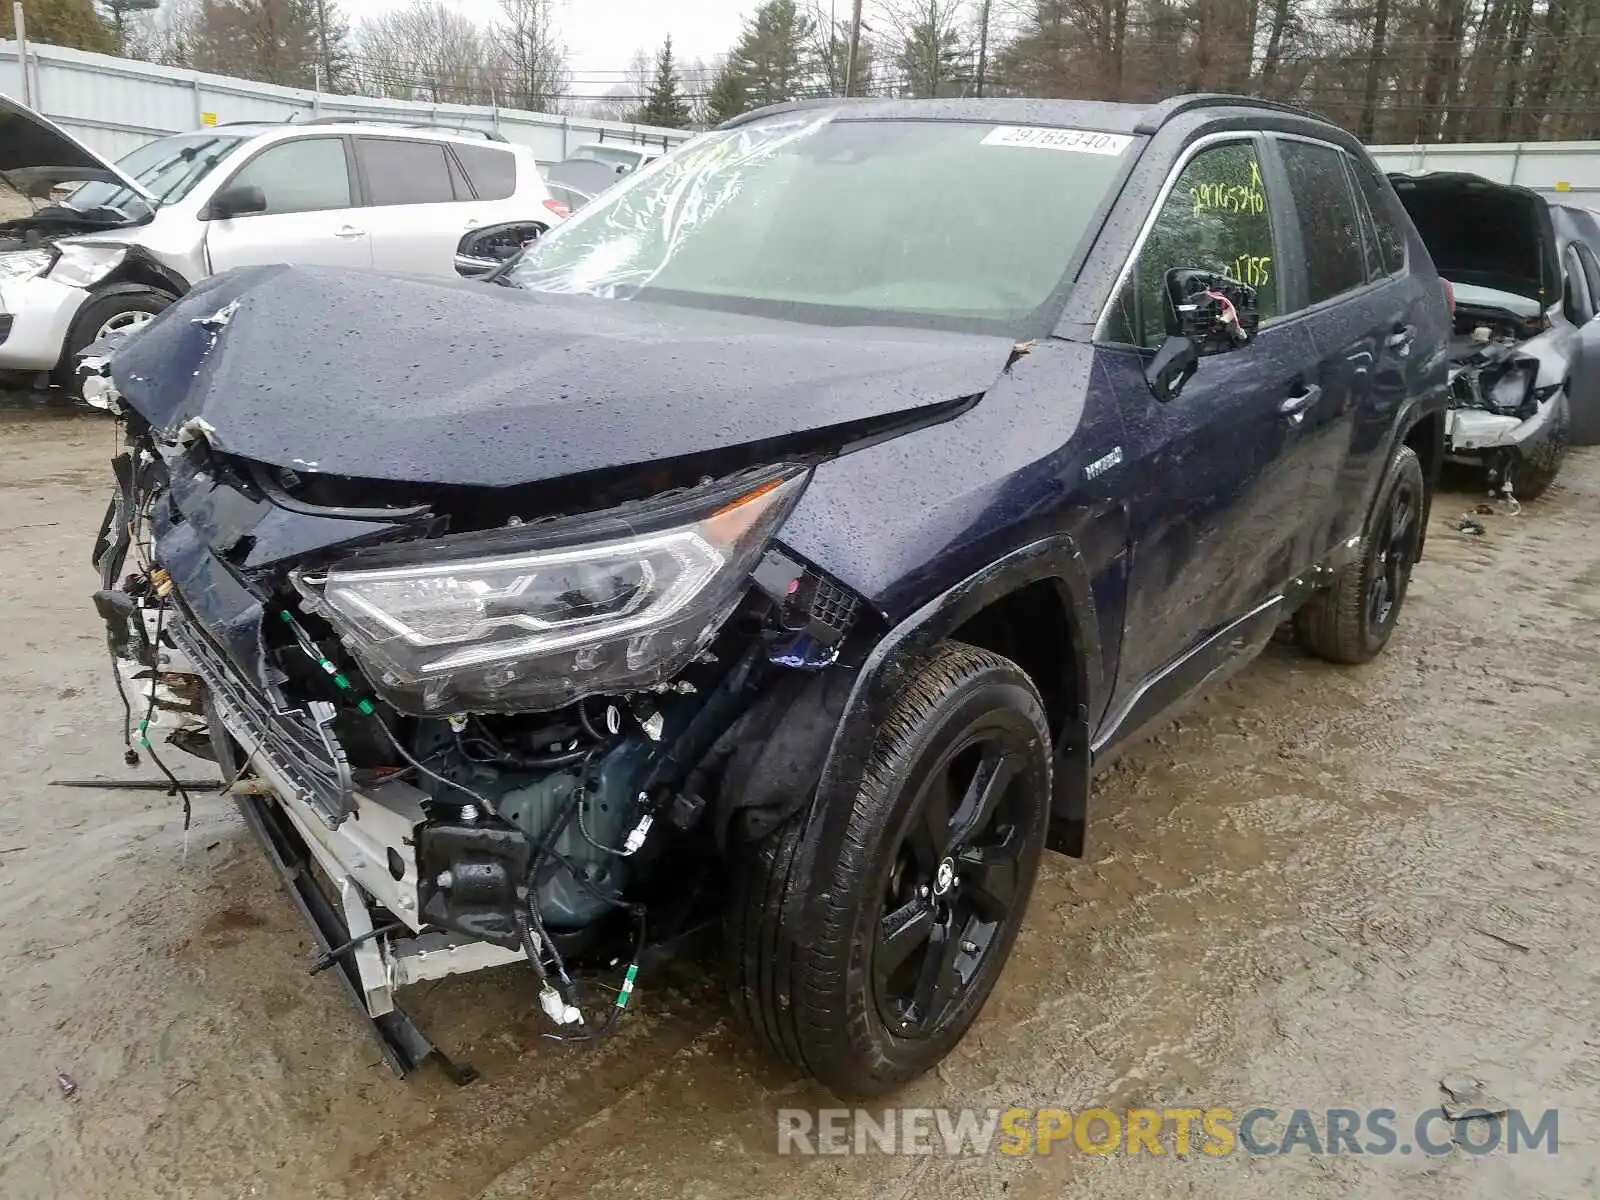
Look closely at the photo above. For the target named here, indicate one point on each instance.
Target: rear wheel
(916, 918)
(1351, 621)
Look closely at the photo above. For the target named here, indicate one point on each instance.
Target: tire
(1533, 470)
(101, 310)
(1351, 621)
(842, 1006)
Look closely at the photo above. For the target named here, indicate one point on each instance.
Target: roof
(1101, 115)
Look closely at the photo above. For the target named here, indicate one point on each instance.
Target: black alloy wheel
(1398, 533)
(871, 970)
(952, 884)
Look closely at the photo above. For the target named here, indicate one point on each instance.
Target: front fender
(895, 657)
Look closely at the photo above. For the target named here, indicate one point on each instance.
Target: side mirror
(237, 202)
(1174, 363)
(483, 251)
(1213, 311)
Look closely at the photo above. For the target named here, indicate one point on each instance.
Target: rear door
(420, 204)
(311, 215)
(1213, 509)
(1361, 312)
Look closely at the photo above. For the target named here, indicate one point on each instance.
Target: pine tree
(72, 23)
(769, 64)
(664, 104)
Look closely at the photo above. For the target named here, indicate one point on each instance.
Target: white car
(87, 247)
(622, 159)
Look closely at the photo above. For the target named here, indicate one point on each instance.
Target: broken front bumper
(1469, 431)
(363, 911)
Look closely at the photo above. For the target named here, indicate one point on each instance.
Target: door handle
(1401, 338)
(349, 231)
(1294, 407)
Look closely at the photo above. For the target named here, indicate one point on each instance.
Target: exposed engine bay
(521, 742)
(1503, 396)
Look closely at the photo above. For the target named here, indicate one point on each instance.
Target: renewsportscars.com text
(1175, 1132)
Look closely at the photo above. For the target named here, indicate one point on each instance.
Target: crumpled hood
(450, 382)
(36, 154)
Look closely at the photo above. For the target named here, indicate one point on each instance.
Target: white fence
(1564, 171)
(114, 105)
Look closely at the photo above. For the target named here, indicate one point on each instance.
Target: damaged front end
(1507, 394)
(471, 733)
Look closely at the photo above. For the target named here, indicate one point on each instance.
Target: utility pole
(855, 49)
(22, 50)
(983, 45)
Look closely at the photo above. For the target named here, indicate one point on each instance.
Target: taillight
(560, 209)
(1449, 295)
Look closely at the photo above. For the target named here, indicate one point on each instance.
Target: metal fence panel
(114, 105)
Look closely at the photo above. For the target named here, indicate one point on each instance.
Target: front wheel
(103, 315)
(1351, 621)
(1534, 468)
(916, 918)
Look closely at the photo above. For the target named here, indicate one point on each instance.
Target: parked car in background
(107, 246)
(1582, 227)
(619, 157)
(788, 570)
(1526, 348)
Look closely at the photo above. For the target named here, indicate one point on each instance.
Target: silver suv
(88, 247)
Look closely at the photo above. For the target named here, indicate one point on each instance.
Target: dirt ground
(1319, 888)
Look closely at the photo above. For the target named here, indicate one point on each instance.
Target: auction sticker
(1083, 141)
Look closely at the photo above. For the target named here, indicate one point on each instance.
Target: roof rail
(1159, 114)
(397, 123)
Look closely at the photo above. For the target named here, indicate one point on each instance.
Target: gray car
(1525, 285)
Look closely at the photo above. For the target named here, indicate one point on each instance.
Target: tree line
(1389, 70)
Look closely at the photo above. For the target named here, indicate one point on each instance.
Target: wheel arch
(1046, 581)
(1425, 435)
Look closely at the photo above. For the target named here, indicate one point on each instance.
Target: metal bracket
(405, 1047)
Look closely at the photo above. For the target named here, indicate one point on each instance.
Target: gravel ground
(1318, 888)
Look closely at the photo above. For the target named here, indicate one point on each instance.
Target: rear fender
(896, 657)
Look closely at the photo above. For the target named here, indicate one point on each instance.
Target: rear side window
(1217, 217)
(401, 172)
(1329, 227)
(493, 172)
(1579, 307)
(1391, 242)
(306, 175)
(1591, 269)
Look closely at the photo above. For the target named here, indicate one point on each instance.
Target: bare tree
(530, 59)
(932, 44)
(425, 51)
(274, 41)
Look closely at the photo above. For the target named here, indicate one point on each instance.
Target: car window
(1376, 268)
(1329, 227)
(402, 172)
(1578, 304)
(1374, 193)
(307, 175)
(1591, 271)
(493, 172)
(1216, 217)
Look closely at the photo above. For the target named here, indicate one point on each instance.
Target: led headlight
(24, 264)
(79, 265)
(532, 619)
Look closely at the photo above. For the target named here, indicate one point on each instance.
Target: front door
(1213, 509)
(311, 216)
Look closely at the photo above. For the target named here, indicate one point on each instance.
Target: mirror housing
(1216, 313)
(1175, 362)
(236, 202)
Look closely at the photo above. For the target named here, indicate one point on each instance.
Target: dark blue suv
(777, 547)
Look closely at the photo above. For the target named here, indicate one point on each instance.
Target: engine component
(471, 877)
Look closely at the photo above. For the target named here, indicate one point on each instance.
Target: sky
(601, 36)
